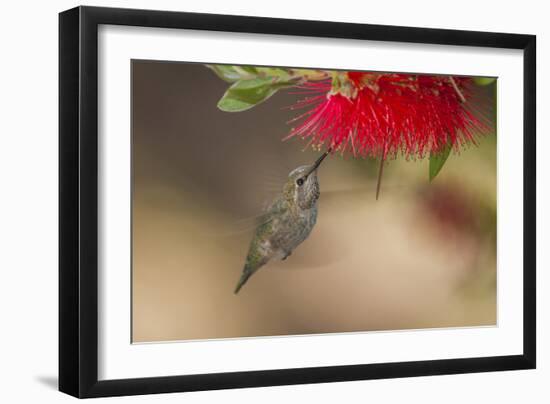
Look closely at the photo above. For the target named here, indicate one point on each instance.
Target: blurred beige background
(422, 256)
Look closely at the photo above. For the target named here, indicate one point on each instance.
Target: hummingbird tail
(244, 277)
(248, 271)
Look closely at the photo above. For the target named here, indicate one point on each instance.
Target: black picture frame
(78, 205)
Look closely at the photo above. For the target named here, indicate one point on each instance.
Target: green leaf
(225, 72)
(280, 74)
(438, 160)
(246, 71)
(244, 94)
(484, 81)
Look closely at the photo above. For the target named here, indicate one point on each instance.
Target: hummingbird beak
(318, 162)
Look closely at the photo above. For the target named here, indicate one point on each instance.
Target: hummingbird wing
(261, 249)
(364, 191)
(236, 227)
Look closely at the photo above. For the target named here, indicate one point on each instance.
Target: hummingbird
(287, 222)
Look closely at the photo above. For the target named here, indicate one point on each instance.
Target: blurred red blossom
(383, 115)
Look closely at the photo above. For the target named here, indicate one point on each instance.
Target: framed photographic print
(252, 202)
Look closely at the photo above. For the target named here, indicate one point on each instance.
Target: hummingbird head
(302, 186)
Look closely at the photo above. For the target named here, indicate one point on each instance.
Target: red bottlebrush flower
(386, 114)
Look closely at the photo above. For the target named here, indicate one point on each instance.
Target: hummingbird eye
(300, 182)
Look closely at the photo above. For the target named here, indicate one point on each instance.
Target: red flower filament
(384, 115)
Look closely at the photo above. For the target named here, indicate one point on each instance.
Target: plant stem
(379, 182)
(460, 95)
